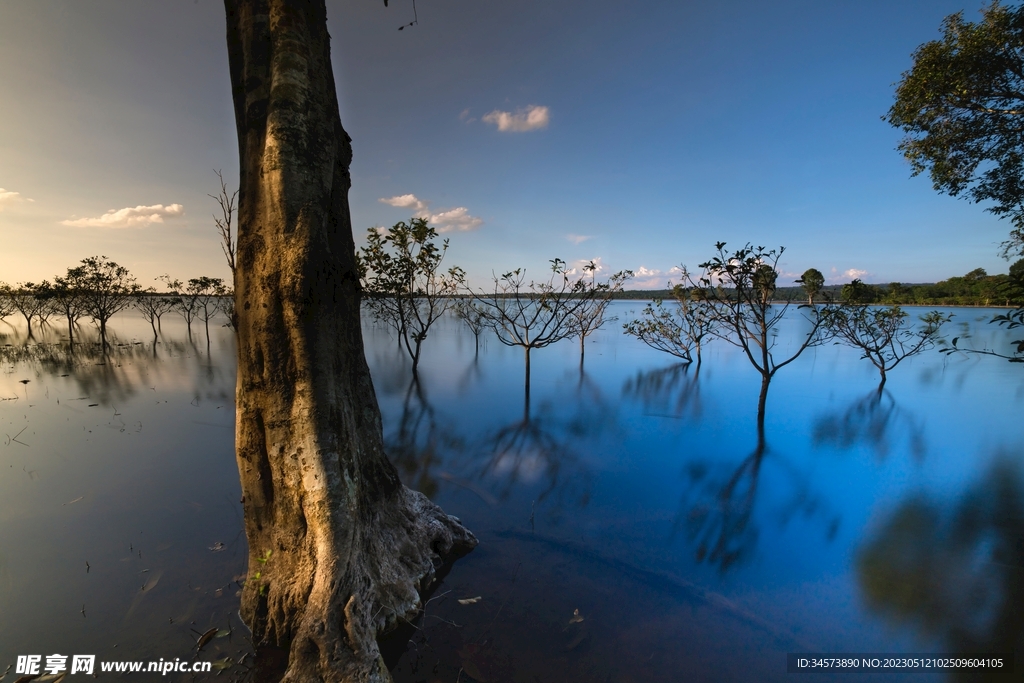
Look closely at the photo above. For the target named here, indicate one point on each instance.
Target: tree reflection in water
(545, 446)
(717, 512)
(875, 420)
(668, 392)
(538, 449)
(955, 570)
(419, 447)
(113, 374)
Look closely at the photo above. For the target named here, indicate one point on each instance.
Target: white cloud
(406, 201)
(854, 273)
(446, 220)
(11, 197)
(457, 219)
(464, 116)
(577, 239)
(532, 117)
(130, 217)
(647, 278)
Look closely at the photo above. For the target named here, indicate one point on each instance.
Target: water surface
(633, 526)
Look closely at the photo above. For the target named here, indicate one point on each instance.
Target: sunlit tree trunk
(339, 549)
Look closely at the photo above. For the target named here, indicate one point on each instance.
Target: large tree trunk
(339, 549)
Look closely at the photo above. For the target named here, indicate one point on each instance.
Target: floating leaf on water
(222, 664)
(470, 601)
(152, 582)
(223, 632)
(576, 617)
(205, 638)
(217, 547)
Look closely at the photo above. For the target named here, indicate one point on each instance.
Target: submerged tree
(26, 298)
(741, 288)
(207, 293)
(67, 296)
(591, 317)
(535, 314)
(882, 334)
(6, 305)
(107, 288)
(184, 301)
(474, 318)
(341, 548)
(400, 271)
(152, 306)
(680, 330)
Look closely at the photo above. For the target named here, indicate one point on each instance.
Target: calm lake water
(631, 526)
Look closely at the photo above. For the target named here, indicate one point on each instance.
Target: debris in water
(576, 617)
(217, 547)
(470, 601)
(73, 501)
(205, 638)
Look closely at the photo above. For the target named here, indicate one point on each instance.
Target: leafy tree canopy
(961, 106)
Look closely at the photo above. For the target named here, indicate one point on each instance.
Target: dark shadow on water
(874, 420)
(954, 570)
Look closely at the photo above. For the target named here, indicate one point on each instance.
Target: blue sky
(657, 129)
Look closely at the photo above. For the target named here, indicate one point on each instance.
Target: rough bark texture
(338, 548)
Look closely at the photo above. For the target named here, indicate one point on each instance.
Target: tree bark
(339, 549)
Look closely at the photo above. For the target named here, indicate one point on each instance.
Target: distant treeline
(976, 288)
